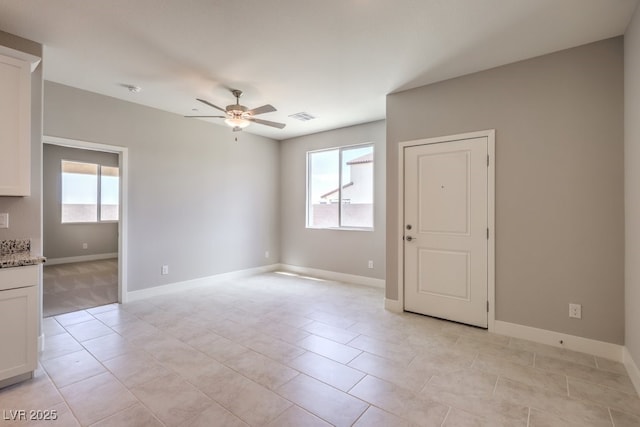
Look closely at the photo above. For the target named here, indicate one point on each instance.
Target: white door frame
(123, 156)
(491, 185)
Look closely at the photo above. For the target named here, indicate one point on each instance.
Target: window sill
(89, 222)
(341, 228)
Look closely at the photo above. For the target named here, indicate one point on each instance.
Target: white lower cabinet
(18, 323)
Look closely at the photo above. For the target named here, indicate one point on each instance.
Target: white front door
(446, 229)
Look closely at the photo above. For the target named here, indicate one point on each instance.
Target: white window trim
(340, 148)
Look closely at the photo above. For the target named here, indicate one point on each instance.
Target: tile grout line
(121, 383)
(601, 404)
(121, 411)
(444, 420)
(611, 417)
(356, 384)
(64, 400)
(359, 416)
(534, 359)
(244, 376)
(58, 389)
(113, 375)
(495, 386)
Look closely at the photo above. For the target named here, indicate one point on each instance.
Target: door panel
(445, 248)
(444, 183)
(443, 273)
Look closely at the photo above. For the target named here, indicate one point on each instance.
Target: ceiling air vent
(302, 116)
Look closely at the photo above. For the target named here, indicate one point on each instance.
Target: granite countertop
(17, 253)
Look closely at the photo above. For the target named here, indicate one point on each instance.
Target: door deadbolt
(409, 227)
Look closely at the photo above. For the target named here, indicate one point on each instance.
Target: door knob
(408, 238)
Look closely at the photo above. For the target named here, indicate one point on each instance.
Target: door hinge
(487, 233)
(487, 306)
(487, 160)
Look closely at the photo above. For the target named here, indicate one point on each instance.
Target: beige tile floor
(278, 350)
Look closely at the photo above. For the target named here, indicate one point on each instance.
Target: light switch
(4, 220)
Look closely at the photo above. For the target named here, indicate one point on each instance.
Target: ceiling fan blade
(208, 117)
(211, 105)
(267, 123)
(268, 108)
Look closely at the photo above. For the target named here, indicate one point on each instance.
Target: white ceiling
(335, 59)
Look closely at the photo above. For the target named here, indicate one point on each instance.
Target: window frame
(108, 221)
(98, 219)
(309, 170)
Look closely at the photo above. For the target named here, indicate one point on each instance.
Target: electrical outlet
(85, 246)
(266, 254)
(165, 270)
(575, 311)
(370, 264)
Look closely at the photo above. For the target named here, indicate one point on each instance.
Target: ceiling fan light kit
(237, 122)
(238, 116)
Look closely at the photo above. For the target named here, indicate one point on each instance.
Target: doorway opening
(84, 225)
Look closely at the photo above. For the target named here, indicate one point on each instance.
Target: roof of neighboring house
(367, 158)
(336, 190)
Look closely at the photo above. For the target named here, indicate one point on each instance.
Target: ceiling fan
(238, 116)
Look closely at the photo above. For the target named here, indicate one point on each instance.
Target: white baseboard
(334, 276)
(571, 342)
(393, 305)
(632, 369)
(194, 283)
(81, 258)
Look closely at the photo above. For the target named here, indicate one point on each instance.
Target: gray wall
(65, 240)
(198, 201)
(632, 186)
(559, 181)
(25, 220)
(333, 250)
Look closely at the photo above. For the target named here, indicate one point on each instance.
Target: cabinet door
(15, 127)
(18, 331)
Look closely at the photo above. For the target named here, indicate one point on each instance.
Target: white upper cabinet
(15, 126)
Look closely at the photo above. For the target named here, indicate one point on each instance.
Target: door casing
(123, 227)
(490, 135)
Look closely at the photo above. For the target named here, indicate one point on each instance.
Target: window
(90, 192)
(340, 188)
(109, 193)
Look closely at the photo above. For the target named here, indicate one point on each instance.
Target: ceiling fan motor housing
(236, 110)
